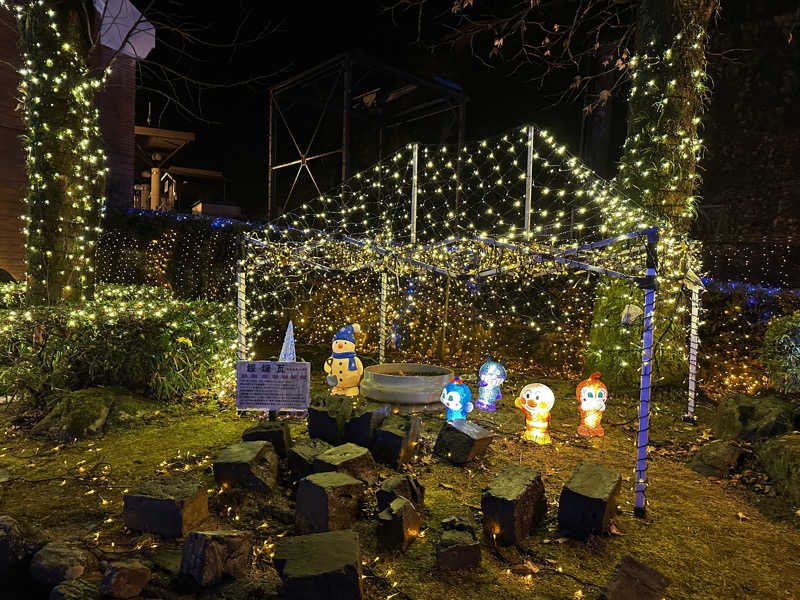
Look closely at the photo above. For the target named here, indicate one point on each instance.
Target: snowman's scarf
(351, 364)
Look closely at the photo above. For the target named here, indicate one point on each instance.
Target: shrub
(143, 339)
(781, 352)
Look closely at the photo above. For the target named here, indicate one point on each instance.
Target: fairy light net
(453, 252)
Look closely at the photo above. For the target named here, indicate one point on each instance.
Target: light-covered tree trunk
(658, 169)
(66, 166)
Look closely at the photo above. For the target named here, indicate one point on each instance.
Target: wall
(12, 159)
(117, 106)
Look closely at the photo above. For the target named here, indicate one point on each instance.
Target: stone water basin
(406, 384)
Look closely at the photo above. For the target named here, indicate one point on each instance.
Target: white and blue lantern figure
(457, 397)
(492, 374)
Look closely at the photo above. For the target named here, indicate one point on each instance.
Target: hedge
(140, 338)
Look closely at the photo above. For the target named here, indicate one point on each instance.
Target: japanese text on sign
(272, 385)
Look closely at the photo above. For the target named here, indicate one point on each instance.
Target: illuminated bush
(781, 352)
(140, 338)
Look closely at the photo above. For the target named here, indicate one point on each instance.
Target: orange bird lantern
(536, 401)
(592, 395)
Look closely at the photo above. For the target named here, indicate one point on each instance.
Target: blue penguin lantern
(457, 397)
(492, 374)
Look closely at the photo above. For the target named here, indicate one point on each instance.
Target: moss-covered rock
(718, 458)
(780, 458)
(752, 418)
(87, 413)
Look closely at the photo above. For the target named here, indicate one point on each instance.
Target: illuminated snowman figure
(592, 395)
(492, 374)
(344, 368)
(457, 397)
(536, 401)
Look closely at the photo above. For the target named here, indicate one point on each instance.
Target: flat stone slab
(168, 506)
(348, 458)
(398, 525)
(588, 501)
(19, 541)
(57, 562)
(209, 555)
(276, 433)
(633, 580)
(397, 486)
(301, 456)
(458, 547)
(252, 465)
(394, 443)
(327, 501)
(512, 503)
(360, 428)
(75, 589)
(124, 579)
(461, 441)
(322, 566)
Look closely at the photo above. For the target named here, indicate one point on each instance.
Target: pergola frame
(530, 255)
(343, 70)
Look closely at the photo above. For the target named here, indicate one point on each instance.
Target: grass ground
(712, 539)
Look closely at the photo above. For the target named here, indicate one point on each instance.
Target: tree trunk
(65, 160)
(658, 170)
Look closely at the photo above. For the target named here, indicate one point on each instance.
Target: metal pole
(529, 184)
(271, 154)
(414, 166)
(382, 342)
(443, 346)
(647, 366)
(693, 340)
(347, 99)
(241, 309)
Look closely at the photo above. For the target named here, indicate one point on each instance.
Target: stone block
(633, 580)
(512, 504)
(461, 441)
(360, 428)
(124, 579)
(169, 506)
(209, 555)
(719, 458)
(323, 566)
(458, 547)
(326, 423)
(327, 501)
(75, 589)
(401, 486)
(275, 432)
(301, 456)
(60, 561)
(588, 501)
(348, 458)
(251, 465)
(395, 441)
(398, 525)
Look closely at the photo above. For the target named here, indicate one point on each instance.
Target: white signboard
(272, 385)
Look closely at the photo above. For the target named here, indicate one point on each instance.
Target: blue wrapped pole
(649, 283)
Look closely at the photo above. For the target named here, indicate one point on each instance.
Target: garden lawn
(707, 536)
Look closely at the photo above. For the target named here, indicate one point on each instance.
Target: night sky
(752, 62)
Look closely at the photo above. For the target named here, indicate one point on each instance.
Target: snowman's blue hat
(346, 333)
